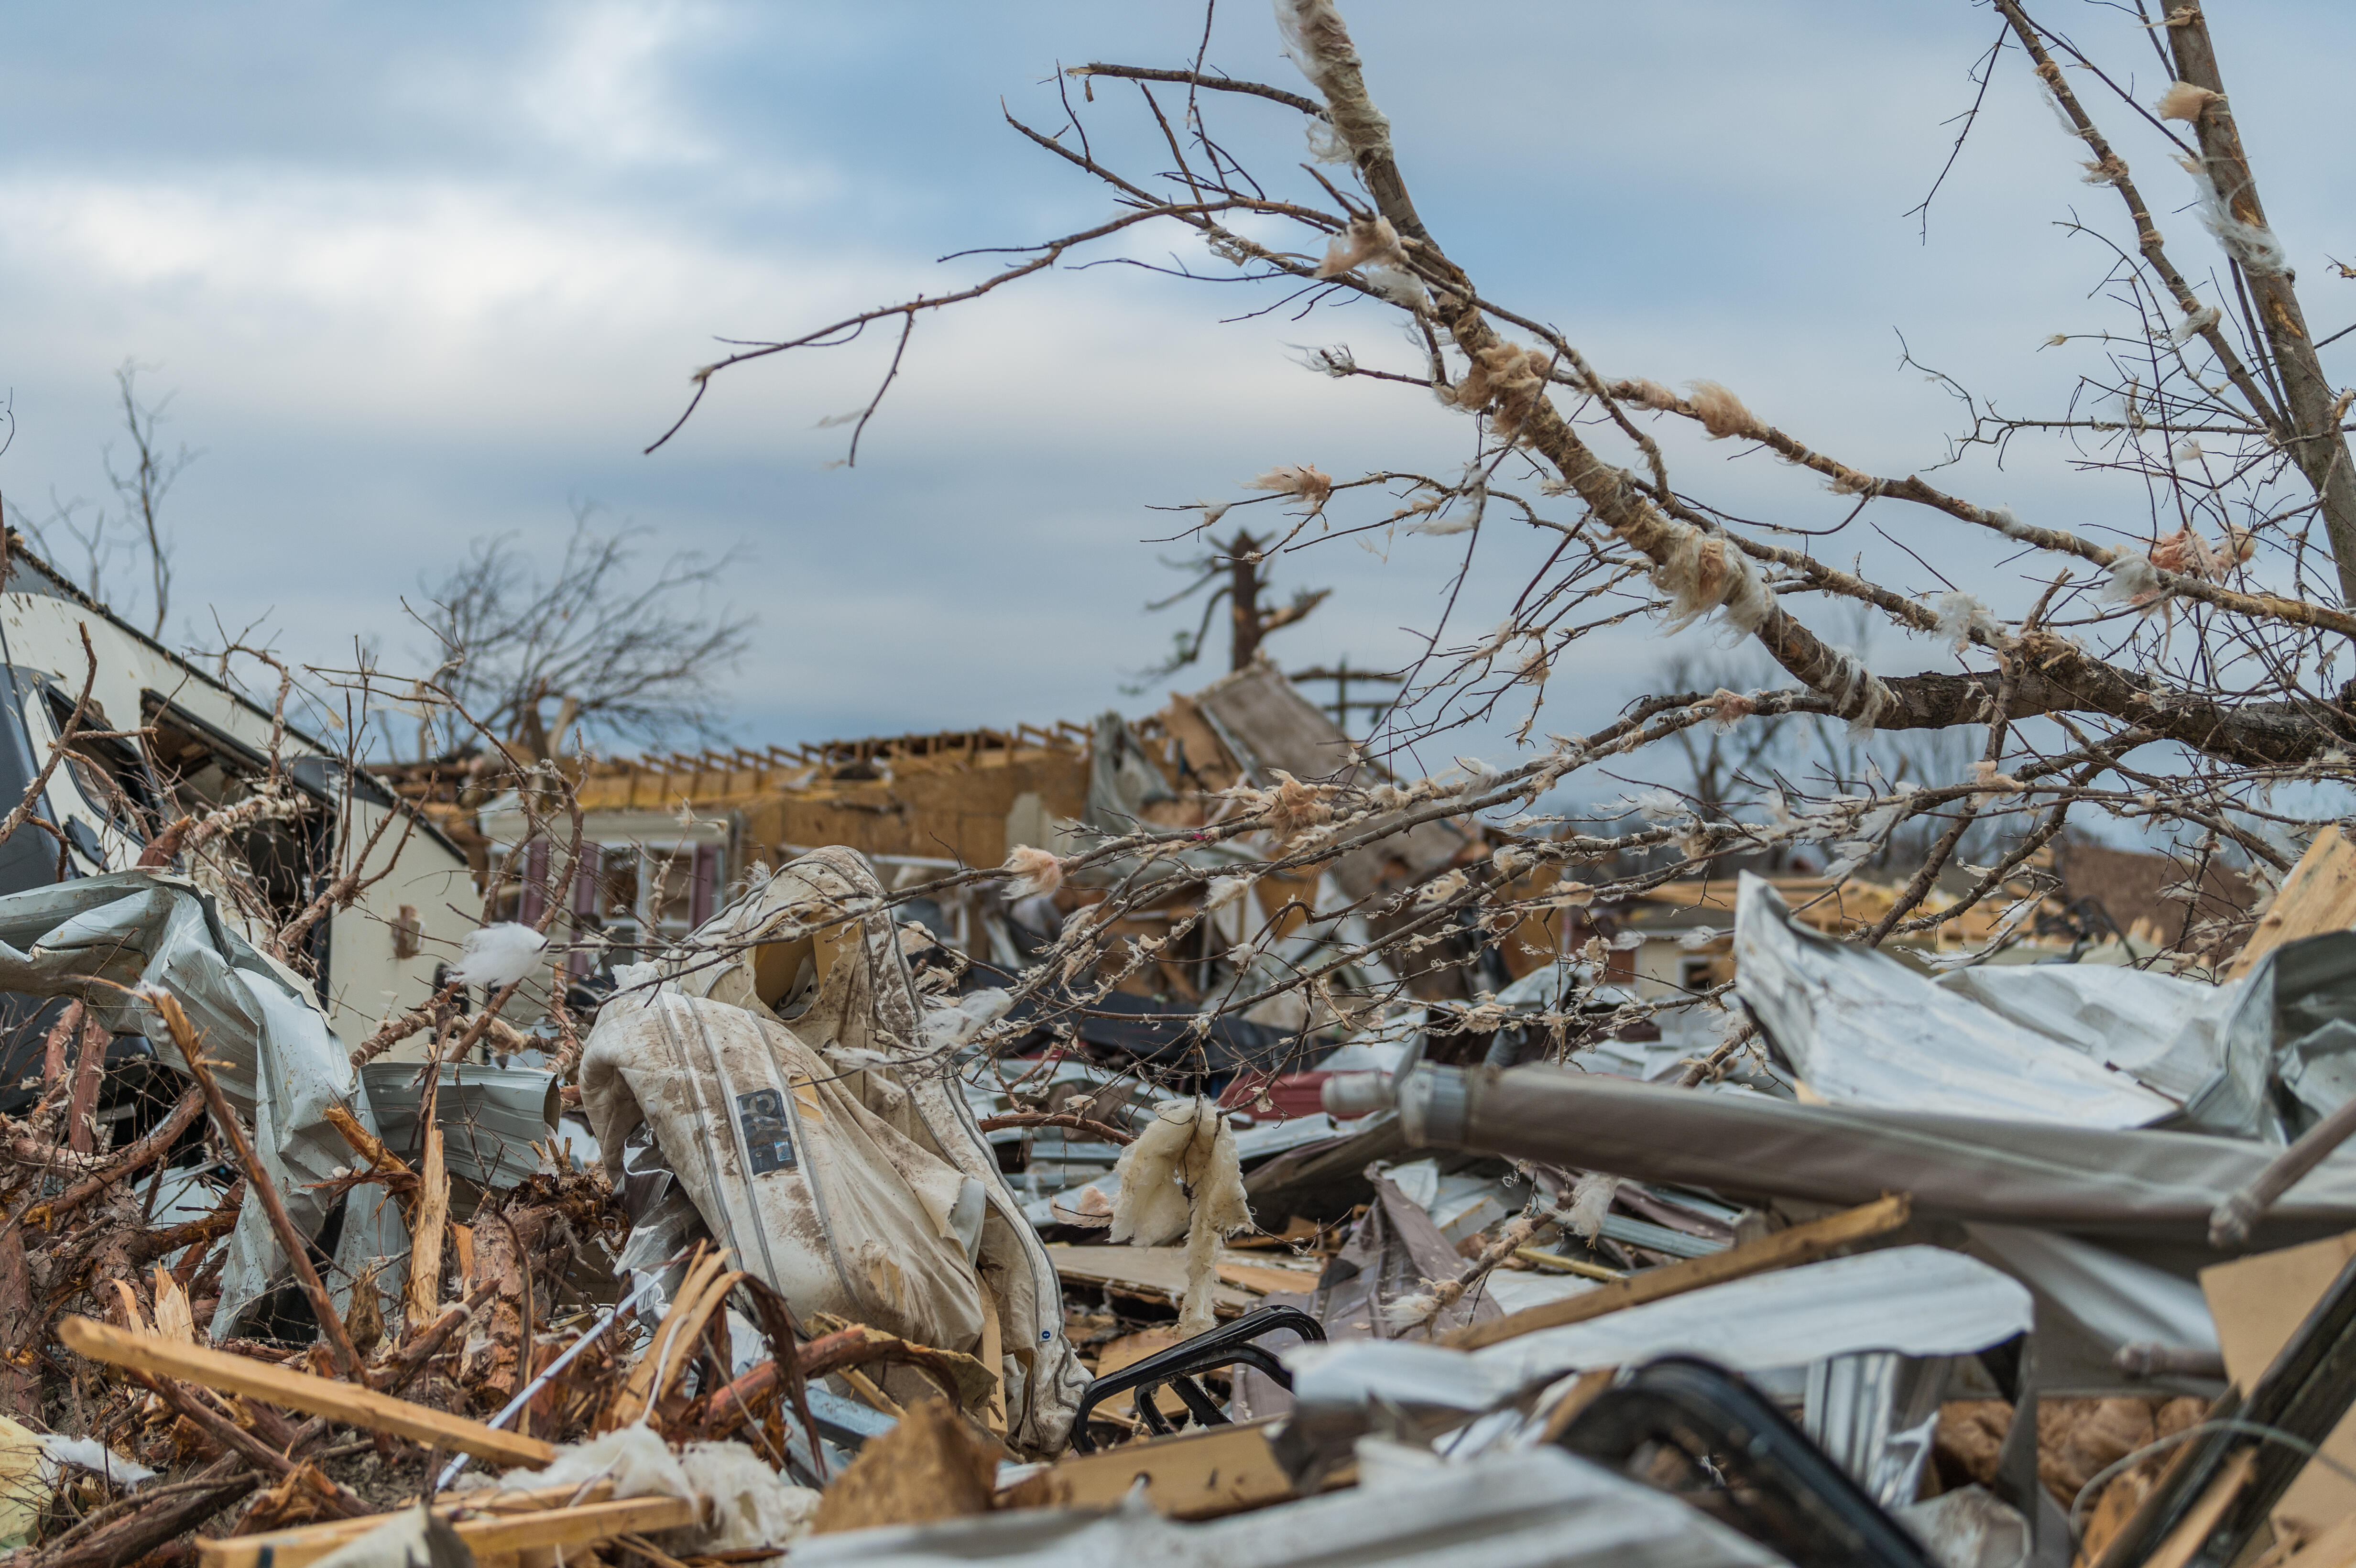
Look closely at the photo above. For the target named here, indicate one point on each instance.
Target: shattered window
(263, 870)
(107, 773)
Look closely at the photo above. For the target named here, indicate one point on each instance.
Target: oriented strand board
(1155, 1273)
(2319, 895)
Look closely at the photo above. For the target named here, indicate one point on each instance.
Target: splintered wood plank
(1784, 1249)
(487, 1535)
(1264, 1280)
(346, 1402)
(303, 1544)
(1158, 1274)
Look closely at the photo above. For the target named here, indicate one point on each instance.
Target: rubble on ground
(800, 1247)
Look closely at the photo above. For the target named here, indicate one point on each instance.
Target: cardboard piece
(2258, 1303)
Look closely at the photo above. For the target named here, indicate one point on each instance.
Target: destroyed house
(159, 741)
(666, 837)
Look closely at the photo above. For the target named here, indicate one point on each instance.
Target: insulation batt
(1590, 1202)
(1183, 1177)
(1037, 872)
(750, 1506)
(90, 1454)
(498, 955)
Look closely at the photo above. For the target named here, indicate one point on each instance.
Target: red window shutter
(703, 891)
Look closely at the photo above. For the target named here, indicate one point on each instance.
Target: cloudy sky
(425, 274)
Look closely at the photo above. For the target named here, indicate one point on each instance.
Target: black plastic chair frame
(1181, 1364)
(1779, 1488)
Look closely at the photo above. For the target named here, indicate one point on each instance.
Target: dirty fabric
(823, 1199)
(866, 1025)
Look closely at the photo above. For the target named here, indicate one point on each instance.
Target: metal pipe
(506, 1412)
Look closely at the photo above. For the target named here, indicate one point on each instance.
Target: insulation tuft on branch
(1037, 872)
(1318, 42)
(1721, 412)
(1304, 480)
(1704, 571)
(2184, 101)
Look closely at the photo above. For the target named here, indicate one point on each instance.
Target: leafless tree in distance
(1240, 571)
(135, 529)
(606, 645)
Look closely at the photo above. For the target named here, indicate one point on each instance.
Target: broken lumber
(423, 1300)
(486, 1535)
(136, 1534)
(1155, 1274)
(291, 1241)
(303, 1544)
(346, 1403)
(1803, 1243)
(930, 1466)
(1194, 1475)
(266, 1460)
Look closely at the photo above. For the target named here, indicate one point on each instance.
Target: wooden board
(292, 1547)
(1125, 1352)
(1194, 1475)
(1156, 1272)
(1261, 1279)
(487, 1535)
(2319, 895)
(343, 1402)
(1784, 1249)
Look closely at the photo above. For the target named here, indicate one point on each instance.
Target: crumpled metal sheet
(2144, 1186)
(1916, 1301)
(2093, 1045)
(489, 1116)
(1875, 1413)
(98, 938)
(1862, 1028)
(1538, 1508)
(2091, 1301)
(2166, 1032)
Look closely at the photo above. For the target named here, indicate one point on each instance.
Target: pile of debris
(1995, 1267)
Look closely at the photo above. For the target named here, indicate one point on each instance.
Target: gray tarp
(98, 937)
(2133, 1184)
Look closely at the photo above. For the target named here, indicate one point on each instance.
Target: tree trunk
(1243, 599)
(2317, 447)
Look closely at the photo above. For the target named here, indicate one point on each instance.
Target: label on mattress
(768, 1137)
